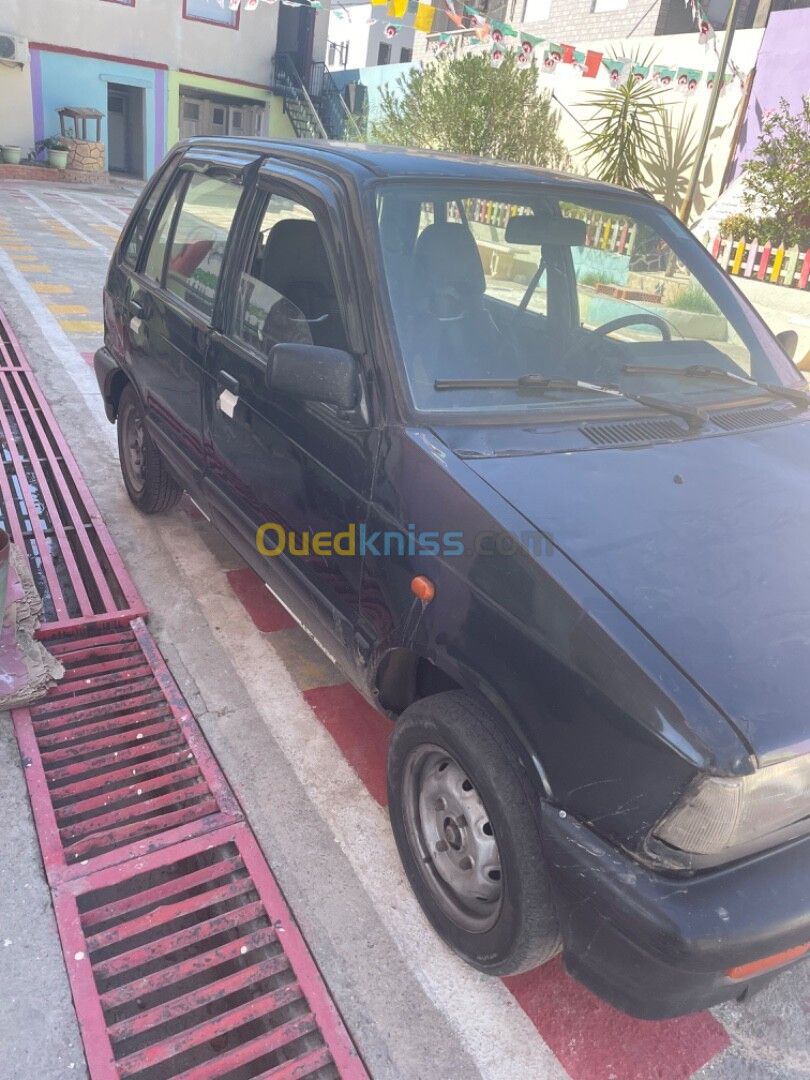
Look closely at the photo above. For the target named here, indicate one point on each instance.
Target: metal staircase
(317, 111)
(298, 106)
(334, 112)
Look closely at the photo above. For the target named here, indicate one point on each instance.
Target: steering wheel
(632, 320)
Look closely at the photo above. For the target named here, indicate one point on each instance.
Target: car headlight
(719, 814)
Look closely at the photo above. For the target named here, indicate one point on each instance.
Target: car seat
(295, 264)
(451, 335)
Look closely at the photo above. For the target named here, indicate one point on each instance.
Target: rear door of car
(170, 301)
(304, 466)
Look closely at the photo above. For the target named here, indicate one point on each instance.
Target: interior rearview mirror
(789, 341)
(313, 373)
(545, 229)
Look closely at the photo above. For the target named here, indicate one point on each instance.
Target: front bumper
(658, 945)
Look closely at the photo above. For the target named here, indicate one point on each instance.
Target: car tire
(148, 482)
(461, 810)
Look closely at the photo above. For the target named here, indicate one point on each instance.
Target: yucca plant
(624, 130)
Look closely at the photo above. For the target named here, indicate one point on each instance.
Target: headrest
(294, 252)
(446, 260)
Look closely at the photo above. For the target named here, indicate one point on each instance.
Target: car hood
(704, 543)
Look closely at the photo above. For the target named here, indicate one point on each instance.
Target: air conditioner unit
(13, 49)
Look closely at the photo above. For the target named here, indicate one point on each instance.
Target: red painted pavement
(594, 1041)
(263, 608)
(359, 730)
(88, 358)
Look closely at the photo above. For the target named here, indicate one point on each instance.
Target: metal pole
(689, 198)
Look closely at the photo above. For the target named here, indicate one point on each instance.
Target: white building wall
(350, 26)
(152, 30)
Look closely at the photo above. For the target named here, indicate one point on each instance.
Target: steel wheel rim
(134, 447)
(452, 838)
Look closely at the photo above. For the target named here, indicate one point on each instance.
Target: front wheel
(148, 483)
(468, 839)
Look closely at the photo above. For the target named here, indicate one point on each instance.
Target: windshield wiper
(539, 384)
(700, 371)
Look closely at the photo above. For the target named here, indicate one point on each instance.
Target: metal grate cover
(115, 762)
(188, 966)
(621, 432)
(47, 510)
(753, 417)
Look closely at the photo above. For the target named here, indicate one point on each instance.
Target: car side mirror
(789, 340)
(313, 373)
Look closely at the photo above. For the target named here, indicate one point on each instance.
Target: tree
(466, 105)
(624, 132)
(777, 179)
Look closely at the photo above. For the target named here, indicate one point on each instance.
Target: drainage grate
(188, 966)
(48, 511)
(115, 762)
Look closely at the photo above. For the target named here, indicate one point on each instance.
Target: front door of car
(302, 468)
(169, 308)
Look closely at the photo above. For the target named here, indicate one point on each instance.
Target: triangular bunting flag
(391, 29)
(687, 80)
(663, 75)
(549, 65)
(618, 70)
(640, 72)
(397, 8)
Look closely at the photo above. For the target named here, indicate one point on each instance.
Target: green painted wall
(278, 125)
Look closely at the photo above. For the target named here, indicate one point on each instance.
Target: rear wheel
(148, 483)
(462, 817)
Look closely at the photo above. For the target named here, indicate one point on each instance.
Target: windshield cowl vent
(753, 417)
(621, 432)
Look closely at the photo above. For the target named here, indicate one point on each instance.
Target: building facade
(155, 69)
(358, 37)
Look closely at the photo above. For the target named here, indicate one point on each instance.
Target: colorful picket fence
(761, 262)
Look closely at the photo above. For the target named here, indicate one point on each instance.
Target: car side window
(156, 256)
(200, 238)
(137, 233)
(287, 292)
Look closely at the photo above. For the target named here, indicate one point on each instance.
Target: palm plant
(624, 130)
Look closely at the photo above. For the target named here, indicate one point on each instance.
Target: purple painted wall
(783, 71)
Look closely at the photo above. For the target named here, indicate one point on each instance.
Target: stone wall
(85, 156)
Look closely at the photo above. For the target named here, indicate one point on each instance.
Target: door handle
(228, 382)
(136, 308)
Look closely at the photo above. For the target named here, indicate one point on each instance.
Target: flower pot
(12, 155)
(57, 159)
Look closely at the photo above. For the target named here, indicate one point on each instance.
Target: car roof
(363, 160)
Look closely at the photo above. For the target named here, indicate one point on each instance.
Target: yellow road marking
(23, 256)
(35, 268)
(78, 326)
(15, 247)
(68, 309)
(50, 287)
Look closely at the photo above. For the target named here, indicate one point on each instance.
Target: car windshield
(493, 287)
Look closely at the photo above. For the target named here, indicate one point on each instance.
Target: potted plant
(57, 150)
(11, 155)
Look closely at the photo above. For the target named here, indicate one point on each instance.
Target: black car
(517, 454)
